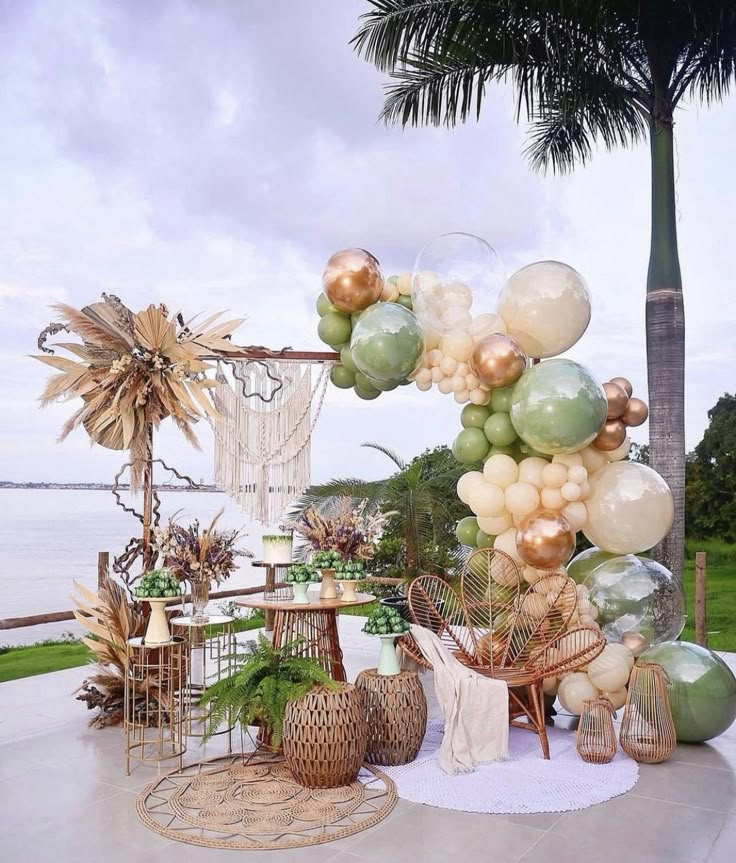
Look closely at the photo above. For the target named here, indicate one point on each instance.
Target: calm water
(50, 537)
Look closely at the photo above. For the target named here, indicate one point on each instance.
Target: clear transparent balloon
(456, 281)
(387, 343)
(635, 594)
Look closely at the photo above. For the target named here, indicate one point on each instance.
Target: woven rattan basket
(325, 737)
(396, 707)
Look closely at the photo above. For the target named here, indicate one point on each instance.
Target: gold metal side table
(153, 720)
(209, 650)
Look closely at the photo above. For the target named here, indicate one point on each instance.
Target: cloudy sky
(212, 155)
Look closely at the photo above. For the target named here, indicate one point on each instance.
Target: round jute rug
(523, 784)
(231, 803)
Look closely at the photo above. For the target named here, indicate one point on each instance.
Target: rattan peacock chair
(501, 627)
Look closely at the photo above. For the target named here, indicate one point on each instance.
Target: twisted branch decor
(50, 330)
(244, 381)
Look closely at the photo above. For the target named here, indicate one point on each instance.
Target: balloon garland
(545, 442)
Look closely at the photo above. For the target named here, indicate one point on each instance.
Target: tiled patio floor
(64, 797)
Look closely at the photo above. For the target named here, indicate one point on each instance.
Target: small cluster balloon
(623, 411)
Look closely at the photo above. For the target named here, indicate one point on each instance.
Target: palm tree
(585, 71)
(421, 495)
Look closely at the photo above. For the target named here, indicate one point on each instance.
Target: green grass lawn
(17, 662)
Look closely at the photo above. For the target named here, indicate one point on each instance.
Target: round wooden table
(315, 623)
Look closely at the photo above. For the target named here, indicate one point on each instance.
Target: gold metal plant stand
(209, 650)
(155, 675)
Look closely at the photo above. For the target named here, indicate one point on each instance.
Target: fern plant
(258, 692)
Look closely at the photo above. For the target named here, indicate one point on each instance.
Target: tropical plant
(420, 496)
(611, 71)
(133, 371)
(109, 621)
(258, 692)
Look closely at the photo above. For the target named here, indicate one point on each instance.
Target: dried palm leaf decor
(132, 370)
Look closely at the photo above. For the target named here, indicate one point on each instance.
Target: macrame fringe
(263, 434)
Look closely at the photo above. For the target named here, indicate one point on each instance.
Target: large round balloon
(558, 407)
(546, 308)
(637, 595)
(456, 279)
(702, 689)
(630, 508)
(545, 539)
(584, 563)
(352, 280)
(386, 344)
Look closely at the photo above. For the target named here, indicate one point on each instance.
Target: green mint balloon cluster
(301, 573)
(349, 570)
(385, 621)
(158, 583)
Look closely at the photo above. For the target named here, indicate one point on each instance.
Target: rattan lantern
(396, 708)
(595, 739)
(325, 736)
(647, 730)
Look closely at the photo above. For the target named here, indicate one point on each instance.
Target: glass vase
(200, 600)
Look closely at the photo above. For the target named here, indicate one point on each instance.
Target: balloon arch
(544, 441)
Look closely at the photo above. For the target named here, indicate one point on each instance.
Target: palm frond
(388, 452)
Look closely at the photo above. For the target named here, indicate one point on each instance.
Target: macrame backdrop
(262, 437)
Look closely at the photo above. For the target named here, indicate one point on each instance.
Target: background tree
(711, 476)
(585, 70)
(420, 537)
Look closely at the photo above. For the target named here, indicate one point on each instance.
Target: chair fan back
(434, 605)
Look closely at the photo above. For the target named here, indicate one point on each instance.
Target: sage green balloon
(367, 394)
(364, 383)
(466, 531)
(702, 690)
(558, 407)
(528, 451)
(512, 450)
(470, 445)
(405, 301)
(324, 305)
(499, 429)
(346, 358)
(474, 416)
(342, 377)
(387, 342)
(581, 566)
(501, 399)
(484, 540)
(382, 385)
(334, 328)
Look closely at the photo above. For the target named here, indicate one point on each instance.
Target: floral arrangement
(199, 555)
(352, 533)
(133, 370)
(301, 573)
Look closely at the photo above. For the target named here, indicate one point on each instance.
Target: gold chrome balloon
(611, 436)
(498, 361)
(636, 412)
(617, 400)
(625, 385)
(352, 280)
(545, 540)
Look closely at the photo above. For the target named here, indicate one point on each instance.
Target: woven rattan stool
(396, 708)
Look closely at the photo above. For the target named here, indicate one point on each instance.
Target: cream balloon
(552, 498)
(445, 386)
(623, 651)
(484, 325)
(462, 397)
(479, 397)
(617, 698)
(423, 376)
(467, 482)
(594, 459)
(530, 470)
(435, 356)
(531, 575)
(448, 366)
(506, 541)
(550, 685)
(546, 308)
(521, 498)
(630, 508)
(574, 689)
(577, 473)
(576, 514)
(570, 459)
(620, 453)
(403, 284)
(501, 470)
(554, 475)
(608, 671)
(571, 492)
(494, 526)
(437, 375)
(458, 345)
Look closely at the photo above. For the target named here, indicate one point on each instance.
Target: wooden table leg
(270, 587)
(319, 638)
(337, 669)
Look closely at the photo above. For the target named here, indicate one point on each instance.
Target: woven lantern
(647, 730)
(325, 736)
(396, 707)
(595, 739)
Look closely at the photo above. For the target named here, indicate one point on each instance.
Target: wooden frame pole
(148, 501)
(701, 617)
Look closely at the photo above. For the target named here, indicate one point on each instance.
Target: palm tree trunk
(665, 328)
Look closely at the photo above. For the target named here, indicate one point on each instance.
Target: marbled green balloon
(558, 407)
(474, 416)
(584, 563)
(467, 531)
(334, 328)
(387, 342)
(499, 430)
(342, 377)
(470, 445)
(702, 691)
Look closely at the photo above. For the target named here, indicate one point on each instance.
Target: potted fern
(257, 693)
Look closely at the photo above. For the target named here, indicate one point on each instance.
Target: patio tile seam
(698, 764)
(683, 805)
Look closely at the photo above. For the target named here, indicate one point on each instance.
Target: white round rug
(524, 784)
